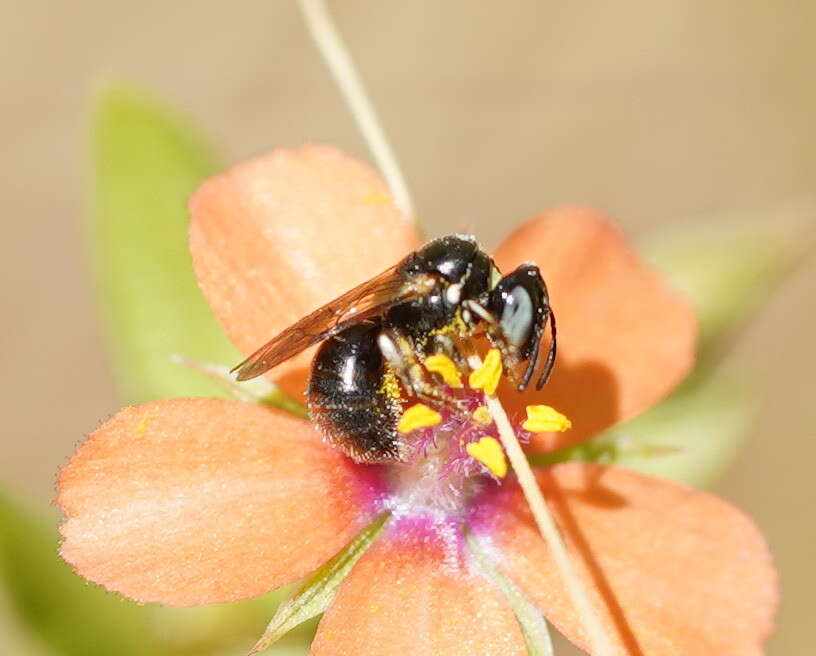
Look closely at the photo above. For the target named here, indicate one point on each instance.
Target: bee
(375, 338)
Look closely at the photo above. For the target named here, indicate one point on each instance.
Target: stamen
(418, 415)
(489, 452)
(481, 415)
(545, 419)
(441, 364)
(487, 376)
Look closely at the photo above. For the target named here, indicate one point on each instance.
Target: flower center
(451, 444)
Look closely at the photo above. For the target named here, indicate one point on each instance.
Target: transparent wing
(366, 300)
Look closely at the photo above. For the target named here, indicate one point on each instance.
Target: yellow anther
(482, 416)
(544, 419)
(488, 375)
(441, 364)
(418, 416)
(489, 452)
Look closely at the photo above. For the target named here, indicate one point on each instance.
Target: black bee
(376, 336)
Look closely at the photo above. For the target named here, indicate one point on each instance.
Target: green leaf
(18, 639)
(66, 613)
(727, 269)
(256, 390)
(691, 437)
(147, 162)
(533, 626)
(312, 597)
(223, 629)
(700, 431)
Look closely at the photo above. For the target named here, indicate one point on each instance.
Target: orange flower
(197, 501)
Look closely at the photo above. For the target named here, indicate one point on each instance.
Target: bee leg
(429, 391)
(400, 355)
(469, 351)
(446, 346)
(433, 394)
(403, 361)
(399, 358)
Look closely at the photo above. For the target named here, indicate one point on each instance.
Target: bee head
(519, 307)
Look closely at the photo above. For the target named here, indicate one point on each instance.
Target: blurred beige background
(658, 112)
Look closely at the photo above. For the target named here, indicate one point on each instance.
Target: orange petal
(624, 338)
(277, 237)
(198, 501)
(679, 571)
(411, 593)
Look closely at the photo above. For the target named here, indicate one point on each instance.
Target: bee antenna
(550, 362)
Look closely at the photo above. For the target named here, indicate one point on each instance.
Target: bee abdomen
(349, 399)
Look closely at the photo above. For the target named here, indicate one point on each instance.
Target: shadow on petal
(670, 570)
(586, 392)
(598, 495)
(625, 338)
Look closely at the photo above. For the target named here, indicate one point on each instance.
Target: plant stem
(599, 642)
(342, 68)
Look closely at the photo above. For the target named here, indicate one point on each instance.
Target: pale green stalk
(342, 68)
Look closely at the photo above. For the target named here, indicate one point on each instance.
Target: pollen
(456, 328)
(376, 198)
(489, 452)
(488, 375)
(481, 415)
(544, 419)
(418, 415)
(441, 364)
(141, 428)
(390, 387)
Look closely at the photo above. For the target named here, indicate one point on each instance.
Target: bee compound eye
(517, 316)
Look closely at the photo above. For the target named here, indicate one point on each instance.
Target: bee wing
(368, 299)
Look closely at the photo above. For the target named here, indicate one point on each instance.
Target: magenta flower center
(440, 476)
(451, 450)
